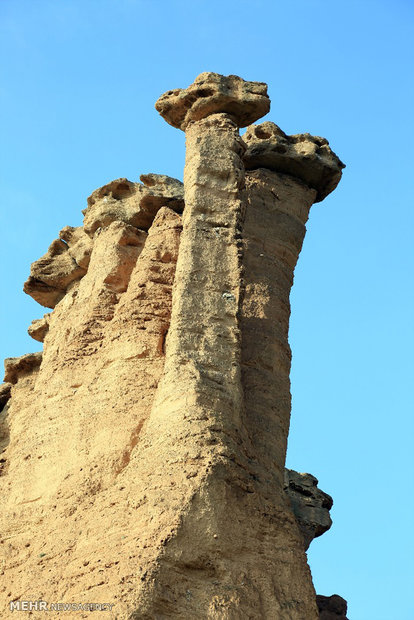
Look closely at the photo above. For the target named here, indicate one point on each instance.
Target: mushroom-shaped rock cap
(308, 158)
(213, 93)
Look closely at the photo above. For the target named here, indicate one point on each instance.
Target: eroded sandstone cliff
(143, 453)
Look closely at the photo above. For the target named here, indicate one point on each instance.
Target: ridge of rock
(39, 328)
(67, 258)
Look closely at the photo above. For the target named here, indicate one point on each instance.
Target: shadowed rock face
(212, 93)
(303, 156)
(310, 505)
(5, 389)
(17, 366)
(331, 607)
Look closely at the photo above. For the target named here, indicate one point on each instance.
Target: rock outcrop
(211, 93)
(144, 450)
(17, 366)
(51, 275)
(331, 607)
(39, 328)
(310, 505)
(133, 203)
(302, 156)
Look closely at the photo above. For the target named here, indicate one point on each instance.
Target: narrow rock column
(220, 538)
(201, 389)
(201, 383)
(285, 176)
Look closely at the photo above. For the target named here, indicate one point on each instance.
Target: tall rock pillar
(143, 453)
(229, 544)
(201, 387)
(285, 175)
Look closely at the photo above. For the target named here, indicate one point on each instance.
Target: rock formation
(331, 607)
(143, 460)
(309, 504)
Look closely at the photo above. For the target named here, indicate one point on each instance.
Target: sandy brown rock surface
(143, 452)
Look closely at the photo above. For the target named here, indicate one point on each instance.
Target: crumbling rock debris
(310, 505)
(5, 394)
(133, 203)
(212, 93)
(331, 607)
(308, 158)
(18, 366)
(39, 328)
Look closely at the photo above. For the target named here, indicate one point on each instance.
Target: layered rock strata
(144, 451)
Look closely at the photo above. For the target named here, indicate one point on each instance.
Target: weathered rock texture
(211, 93)
(302, 156)
(331, 607)
(39, 328)
(310, 505)
(16, 367)
(5, 389)
(143, 457)
(132, 203)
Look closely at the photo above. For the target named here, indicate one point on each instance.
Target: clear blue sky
(78, 82)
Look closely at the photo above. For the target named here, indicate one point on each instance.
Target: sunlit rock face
(143, 450)
(305, 157)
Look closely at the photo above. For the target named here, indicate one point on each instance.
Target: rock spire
(143, 452)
